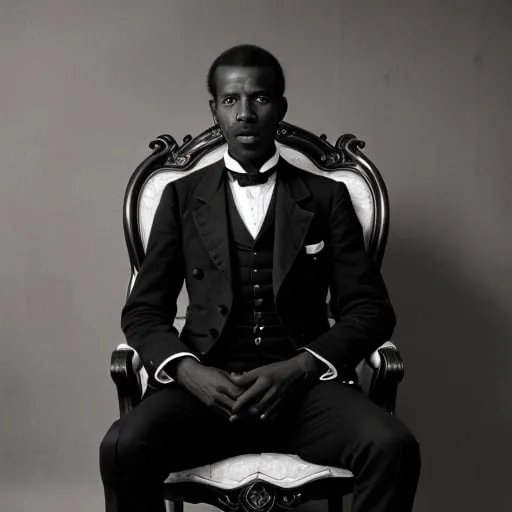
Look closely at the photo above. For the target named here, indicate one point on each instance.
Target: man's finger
(244, 379)
(225, 401)
(271, 410)
(264, 402)
(232, 390)
(256, 390)
(222, 404)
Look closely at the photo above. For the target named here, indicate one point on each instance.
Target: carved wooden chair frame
(345, 154)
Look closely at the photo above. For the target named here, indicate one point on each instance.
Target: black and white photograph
(256, 255)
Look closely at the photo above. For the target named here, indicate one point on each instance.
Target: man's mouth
(247, 138)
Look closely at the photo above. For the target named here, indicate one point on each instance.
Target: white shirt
(252, 203)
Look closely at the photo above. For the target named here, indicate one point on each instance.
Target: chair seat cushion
(281, 470)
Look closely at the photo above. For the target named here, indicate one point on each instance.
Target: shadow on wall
(454, 397)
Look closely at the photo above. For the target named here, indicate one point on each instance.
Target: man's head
(247, 87)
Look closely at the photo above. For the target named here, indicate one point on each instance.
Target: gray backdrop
(86, 84)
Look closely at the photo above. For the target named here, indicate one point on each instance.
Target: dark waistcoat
(253, 335)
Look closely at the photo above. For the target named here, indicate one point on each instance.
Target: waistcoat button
(198, 273)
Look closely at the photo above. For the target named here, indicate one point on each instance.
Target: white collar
(233, 165)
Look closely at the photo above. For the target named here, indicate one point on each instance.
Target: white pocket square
(315, 248)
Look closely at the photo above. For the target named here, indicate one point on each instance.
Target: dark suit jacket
(189, 241)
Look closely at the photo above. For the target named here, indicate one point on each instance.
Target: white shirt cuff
(331, 373)
(160, 374)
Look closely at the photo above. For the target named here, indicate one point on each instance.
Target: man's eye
(262, 99)
(228, 101)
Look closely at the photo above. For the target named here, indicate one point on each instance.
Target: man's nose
(246, 113)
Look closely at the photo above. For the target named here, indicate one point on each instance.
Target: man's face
(248, 112)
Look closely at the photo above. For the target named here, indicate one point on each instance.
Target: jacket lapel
(210, 217)
(291, 222)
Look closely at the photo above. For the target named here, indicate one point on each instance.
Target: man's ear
(213, 108)
(283, 107)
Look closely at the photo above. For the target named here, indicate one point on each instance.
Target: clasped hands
(255, 394)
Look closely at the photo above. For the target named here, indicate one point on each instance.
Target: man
(256, 367)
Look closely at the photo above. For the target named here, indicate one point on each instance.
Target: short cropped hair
(248, 55)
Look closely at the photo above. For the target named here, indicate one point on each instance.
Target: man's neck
(251, 167)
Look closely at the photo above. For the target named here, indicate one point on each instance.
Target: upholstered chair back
(343, 161)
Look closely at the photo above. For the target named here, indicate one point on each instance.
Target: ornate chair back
(344, 162)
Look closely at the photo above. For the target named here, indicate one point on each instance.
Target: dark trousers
(331, 424)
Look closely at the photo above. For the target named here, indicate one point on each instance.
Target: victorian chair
(258, 482)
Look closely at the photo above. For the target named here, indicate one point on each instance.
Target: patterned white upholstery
(285, 471)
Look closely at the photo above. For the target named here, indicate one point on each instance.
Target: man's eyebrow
(262, 92)
(251, 94)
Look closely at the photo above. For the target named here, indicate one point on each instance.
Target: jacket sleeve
(148, 316)
(359, 301)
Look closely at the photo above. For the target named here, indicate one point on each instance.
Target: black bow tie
(247, 180)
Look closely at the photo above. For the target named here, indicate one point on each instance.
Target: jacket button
(214, 333)
(198, 273)
(257, 340)
(223, 310)
(258, 302)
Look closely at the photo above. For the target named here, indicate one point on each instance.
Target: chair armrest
(124, 374)
(388, 372)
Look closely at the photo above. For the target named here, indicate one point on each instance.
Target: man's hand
(268, 385)
(213, 387)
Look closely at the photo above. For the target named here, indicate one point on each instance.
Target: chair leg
(335, 504)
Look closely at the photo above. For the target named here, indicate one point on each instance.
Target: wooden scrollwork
(259, 497)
